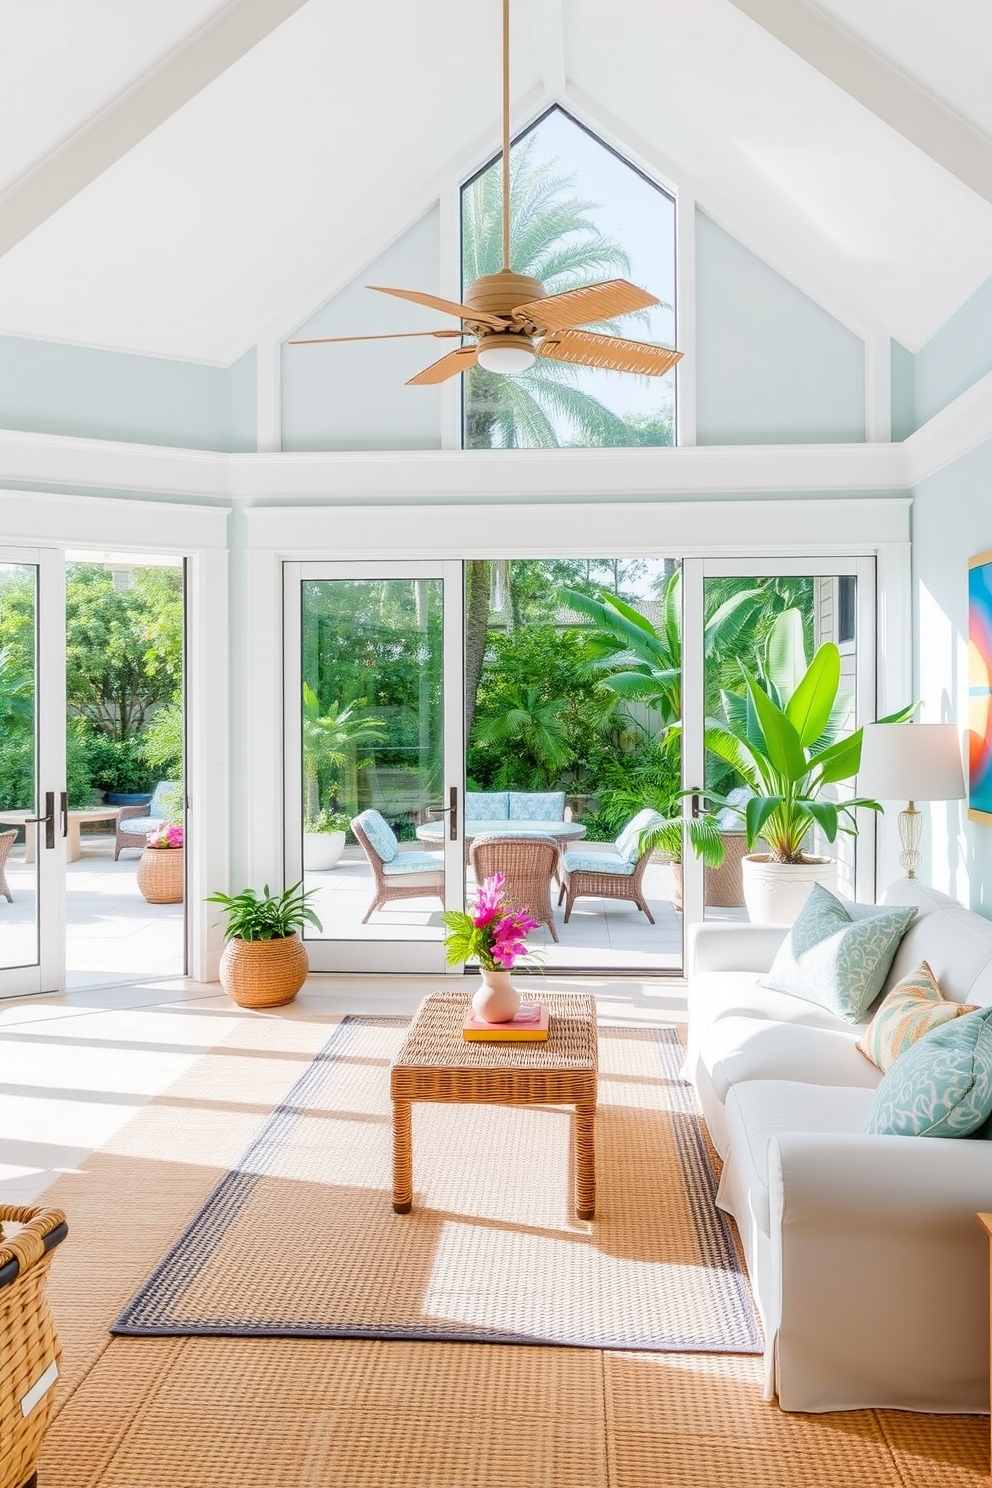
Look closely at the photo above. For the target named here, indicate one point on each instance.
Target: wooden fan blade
(449, 366)
(589, 349)
(574, 307)
(389, 336)
(464, 312)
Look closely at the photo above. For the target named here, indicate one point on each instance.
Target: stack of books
(529, 1026)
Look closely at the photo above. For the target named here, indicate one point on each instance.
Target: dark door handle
(64, 808)
(451, 811)
(48, 819)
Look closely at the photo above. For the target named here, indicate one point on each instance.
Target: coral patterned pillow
(910, 1010)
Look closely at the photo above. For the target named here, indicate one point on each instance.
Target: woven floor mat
(263, 1413)
(696, 1421)
(299, 1239)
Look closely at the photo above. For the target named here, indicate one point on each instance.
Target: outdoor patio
(112, 934)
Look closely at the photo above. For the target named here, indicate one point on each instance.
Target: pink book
(529, 1026)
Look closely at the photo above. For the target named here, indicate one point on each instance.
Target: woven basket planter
(160, 875)
(29, 1347)
(263, 973)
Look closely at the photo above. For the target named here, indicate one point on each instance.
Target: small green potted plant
(323, 839)
(264, 962)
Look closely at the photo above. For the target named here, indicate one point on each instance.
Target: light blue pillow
(942, 1086)
(379, 833)
(543, 806)
(628, 844)
(487, 806)
(834, 961)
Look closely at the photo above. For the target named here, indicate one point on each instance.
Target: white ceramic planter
(775, 892)
(322, 849)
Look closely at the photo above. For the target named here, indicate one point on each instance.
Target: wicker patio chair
(7, 840)
(614, 872)
(411, 875)
(528, 863)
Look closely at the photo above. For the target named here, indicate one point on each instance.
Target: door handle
(451, 810)
(48, 819)
(64, 809)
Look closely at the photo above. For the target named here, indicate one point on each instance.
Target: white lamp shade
(911, 762)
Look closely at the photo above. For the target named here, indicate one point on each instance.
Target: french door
(374, 723)
(33, 823)
(828, 599)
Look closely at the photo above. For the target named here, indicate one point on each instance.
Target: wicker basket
(263, 973)
(29, 1347)
(160, 875)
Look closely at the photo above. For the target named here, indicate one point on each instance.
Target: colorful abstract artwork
(980, 688)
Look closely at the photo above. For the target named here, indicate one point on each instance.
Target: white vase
(322, 849)
(496, 1001)
(775, 892)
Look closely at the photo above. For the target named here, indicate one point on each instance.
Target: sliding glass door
(33, 817)
(374, 738)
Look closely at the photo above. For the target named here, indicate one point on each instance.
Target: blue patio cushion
(629, 840)
(537, 806)
(413, 862)
(138, 826)
(576, 860)
(380, 834)
(487, 806)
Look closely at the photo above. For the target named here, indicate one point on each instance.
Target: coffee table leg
(402, 1157)
(585, 1160)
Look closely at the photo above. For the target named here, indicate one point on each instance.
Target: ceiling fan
(514, 321)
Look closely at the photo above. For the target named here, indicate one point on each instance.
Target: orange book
(530, 1026)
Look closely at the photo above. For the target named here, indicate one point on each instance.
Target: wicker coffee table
(436, 1064)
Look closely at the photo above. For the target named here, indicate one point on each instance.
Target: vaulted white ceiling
(176, 175)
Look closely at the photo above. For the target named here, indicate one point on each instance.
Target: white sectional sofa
(870, 1269)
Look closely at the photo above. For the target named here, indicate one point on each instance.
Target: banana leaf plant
(704, 836)
(787, 750)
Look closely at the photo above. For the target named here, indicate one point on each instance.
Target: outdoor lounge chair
(7, 840)
(398, 875)
(613, 872)
(528, 863)
(135, 822)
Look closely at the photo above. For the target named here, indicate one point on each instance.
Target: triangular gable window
(579, 213)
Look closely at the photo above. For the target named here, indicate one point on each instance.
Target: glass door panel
(773, 618)
(32, 816)
(368, 744)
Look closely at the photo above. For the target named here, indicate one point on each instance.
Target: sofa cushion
(487, 806)
(739, 1049)
(725, 994)
(537, 806)
(628, 843)
(761, 1109)
(955, 942)
(382, 838)
(837, 961)
(587, 860)
(413, 862)
(913, 1007)
(942, 1086)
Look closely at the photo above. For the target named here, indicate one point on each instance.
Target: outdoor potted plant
(668, 837)
(494, 936)
(264, 962)
(160, 873)
(784, 742)
(323, 839)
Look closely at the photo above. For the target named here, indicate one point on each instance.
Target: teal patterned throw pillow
(941, 1087)
(835, 961)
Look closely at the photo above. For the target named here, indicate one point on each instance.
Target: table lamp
(911, 762)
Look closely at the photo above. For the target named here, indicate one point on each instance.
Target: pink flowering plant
(165, 836)
(493, 934)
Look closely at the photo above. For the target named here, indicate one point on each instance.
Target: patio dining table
(73, 846)
(562, 831)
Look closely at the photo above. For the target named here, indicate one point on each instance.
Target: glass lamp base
(910, 832)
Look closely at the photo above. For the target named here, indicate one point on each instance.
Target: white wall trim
(686, 372)
(956, 430)
(93, 521)
(208, 766)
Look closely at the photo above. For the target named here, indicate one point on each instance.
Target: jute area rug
(238, 1412)
(299, 1238)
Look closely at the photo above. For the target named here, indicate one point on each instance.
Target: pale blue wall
(353, 396)
(772, 367)
(50, 388)
(957, 356)
(903, 365)
(952, 522)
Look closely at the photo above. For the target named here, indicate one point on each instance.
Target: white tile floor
(75, 1068)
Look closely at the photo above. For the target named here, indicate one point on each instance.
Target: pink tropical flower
(494, 932)
(165, 836)
(489, 900)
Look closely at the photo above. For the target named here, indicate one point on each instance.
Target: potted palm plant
(669, 837)
(785, 743)
(264, 962)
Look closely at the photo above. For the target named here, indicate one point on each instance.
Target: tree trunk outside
(476, 631)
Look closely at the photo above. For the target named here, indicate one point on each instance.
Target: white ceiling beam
(133, 116)
(548, 21)
(881, 88)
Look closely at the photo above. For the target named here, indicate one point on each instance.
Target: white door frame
(369, 954)
(47, 972)
(694, 573)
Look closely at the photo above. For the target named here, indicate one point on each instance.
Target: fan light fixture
(513, 321)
